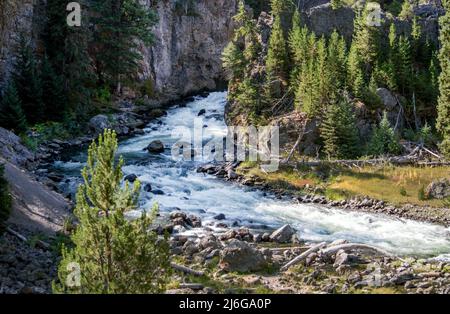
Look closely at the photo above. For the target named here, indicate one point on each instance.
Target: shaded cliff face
(16, 17)
(189, 39)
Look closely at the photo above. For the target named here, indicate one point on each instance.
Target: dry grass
(397, 185)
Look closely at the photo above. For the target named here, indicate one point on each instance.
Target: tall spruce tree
(339, 133)
(12, 116)
(119, 25)
(28, 82)
(443, 120)
(111, 253)
(53, 89)
(383, 140)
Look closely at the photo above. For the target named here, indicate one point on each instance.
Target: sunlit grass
(397, 185)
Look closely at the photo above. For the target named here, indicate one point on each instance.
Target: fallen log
(398, 161)
(303, 256)
(187, 270)
(39, 243)
(353, 246)
(192, 286)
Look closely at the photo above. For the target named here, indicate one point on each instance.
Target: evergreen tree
(404, 65)
(355, 74)
(28, 84)
(12, 116)
(407, 11)
(307, 96)
(276, 61)
(53, 89)
(339, 133)
(112, 253)
(119, 24)
(336, 4)
(384, 141)
(443, 120)
(5, 199)
(298, 47)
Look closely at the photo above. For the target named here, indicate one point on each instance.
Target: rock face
(12, 150)
(16, 17)
(189, 40)
(240, 256)
(439, 189)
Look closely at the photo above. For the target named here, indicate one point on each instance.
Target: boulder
(438, 189)
(155, 147)
(12, 149)
(283, 234)
(388, 99)
(98, 123)
(131, 178)
(201, 112)
(220, 217)
(242, 257)
(148, 187)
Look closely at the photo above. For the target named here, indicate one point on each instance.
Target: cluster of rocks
(237, 249)
(359, 270)
(24, 269)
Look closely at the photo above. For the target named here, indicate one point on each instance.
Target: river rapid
(207, 196)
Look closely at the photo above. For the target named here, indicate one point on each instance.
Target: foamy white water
(207, 196)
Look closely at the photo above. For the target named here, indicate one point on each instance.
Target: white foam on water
(208, 196)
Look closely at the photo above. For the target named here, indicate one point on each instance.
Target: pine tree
(336, 4)
(119, 24)
(5, 199)
(276, 61)
(339, 133)
(28, 84)
(404, 65)
(53, 89)
(384, 141)
(337, 60)
(112, 253)
(355, 74)
(298, 47)
(12, 116)
(407, 11)
(443, 120)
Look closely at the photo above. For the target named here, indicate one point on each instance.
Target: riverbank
(325, 187)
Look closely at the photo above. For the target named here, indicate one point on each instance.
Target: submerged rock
(155, 147)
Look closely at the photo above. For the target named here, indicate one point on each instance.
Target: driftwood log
(351, 247)
(304, 255)
(187, 270)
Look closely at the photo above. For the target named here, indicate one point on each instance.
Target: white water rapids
(207, 196)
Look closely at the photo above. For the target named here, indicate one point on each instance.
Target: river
(207, 196)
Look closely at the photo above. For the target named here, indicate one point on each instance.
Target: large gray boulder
(98, 123)
(438, 189)
(241, 257)
(283, 234)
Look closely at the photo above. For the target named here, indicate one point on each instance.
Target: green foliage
(443, 120)
(384, 141)
(339, 132)
(53, 89)
(12, 116)
(336, 4)
(406, 11)
(5, 198)
(421, 195)
(113, 253)
(119, 24)
(28, 83)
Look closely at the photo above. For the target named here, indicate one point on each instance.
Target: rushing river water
(207, 196)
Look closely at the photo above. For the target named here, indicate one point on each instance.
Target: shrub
(384, 141)
(5, 199)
